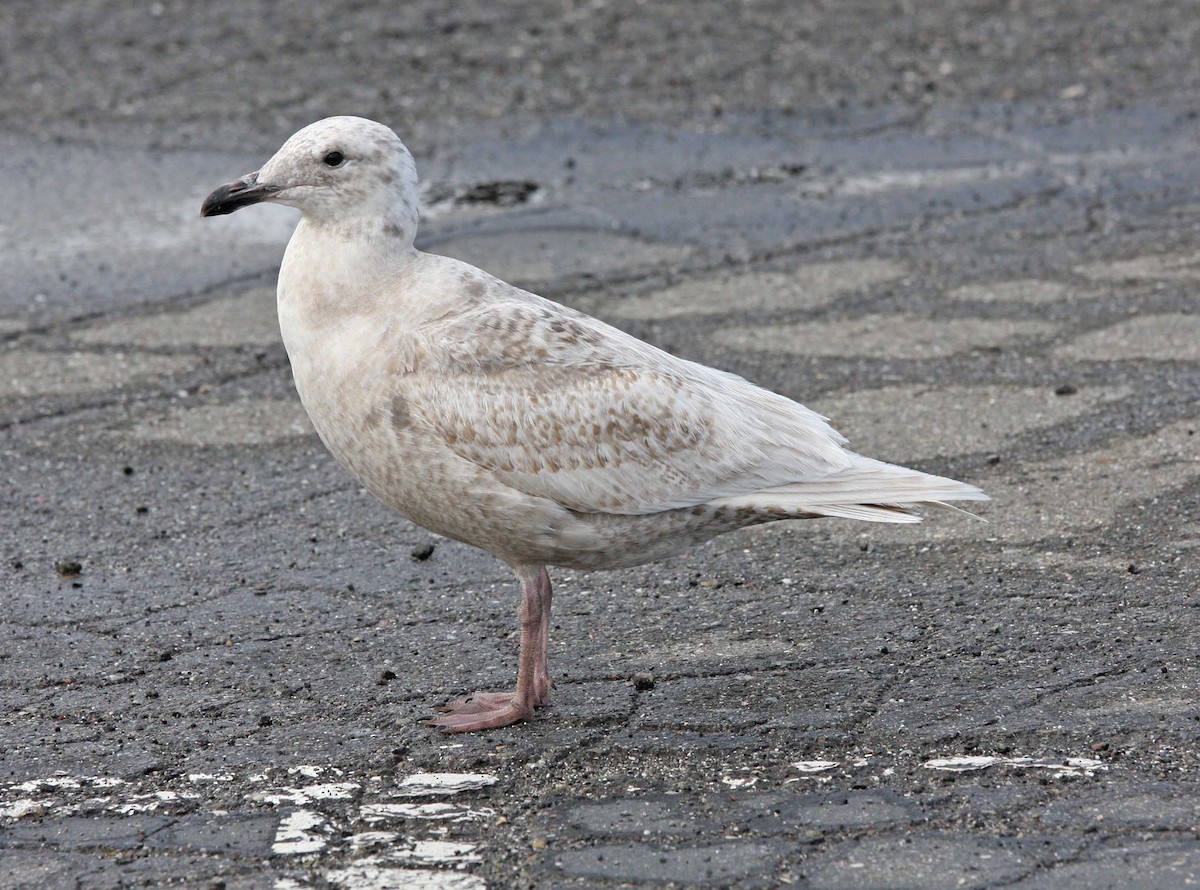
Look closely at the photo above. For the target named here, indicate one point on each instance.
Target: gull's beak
(239, 193)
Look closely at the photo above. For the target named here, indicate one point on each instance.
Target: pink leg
(489, 710)
(541, 667)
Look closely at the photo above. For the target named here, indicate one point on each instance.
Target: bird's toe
(477, 703)
(475, 720)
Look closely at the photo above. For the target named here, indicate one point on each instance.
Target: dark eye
(333, 158)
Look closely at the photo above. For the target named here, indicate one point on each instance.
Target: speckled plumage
(497, 418)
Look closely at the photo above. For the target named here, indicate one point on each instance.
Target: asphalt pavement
(967, 233)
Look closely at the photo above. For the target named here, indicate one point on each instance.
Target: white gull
(492, 416)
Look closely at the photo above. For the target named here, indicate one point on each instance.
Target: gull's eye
(333, 159)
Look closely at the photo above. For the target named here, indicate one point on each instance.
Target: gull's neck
(391, 227)
(348, 266)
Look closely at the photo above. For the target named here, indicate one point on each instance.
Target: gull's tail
(869, 490)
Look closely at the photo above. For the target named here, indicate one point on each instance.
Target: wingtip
(949, 506)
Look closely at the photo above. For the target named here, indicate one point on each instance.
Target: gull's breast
(358, 385)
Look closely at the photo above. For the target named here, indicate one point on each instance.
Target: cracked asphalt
(965, 232)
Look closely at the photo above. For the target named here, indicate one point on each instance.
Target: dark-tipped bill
(240, 193)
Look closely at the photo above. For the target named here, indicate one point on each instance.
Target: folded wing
(561, 406)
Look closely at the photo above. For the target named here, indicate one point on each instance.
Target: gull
(500, 419)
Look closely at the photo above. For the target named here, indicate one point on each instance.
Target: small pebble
(643, 681)
(422, 552)
(1066, 389)
(69, 569)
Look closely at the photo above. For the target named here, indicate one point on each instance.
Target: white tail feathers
(869, 490)
(867, 512)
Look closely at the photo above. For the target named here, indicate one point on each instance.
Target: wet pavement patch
(110, 832)
(637, 817)
(748, 864)
(782, 813)
(251, 835)
(938, 861)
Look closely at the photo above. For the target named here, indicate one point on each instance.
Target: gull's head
(340, 170)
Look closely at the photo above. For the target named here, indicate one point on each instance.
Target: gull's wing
(559, 405)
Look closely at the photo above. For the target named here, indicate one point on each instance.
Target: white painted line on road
(397, 861)
(448, 812)
(307, 770)
(734, 782)
(429, 784)
(295, 837)
(449, 853)
(961, 764)
(17, 808)
(69, 782)
(371, 838)
(373, 877)
(307, 794)
(1064, 766)
(26, 804)
(148, 803)
(814, 766)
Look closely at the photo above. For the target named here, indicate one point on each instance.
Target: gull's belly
(376, 434)
(370, 421)
(369, 431)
